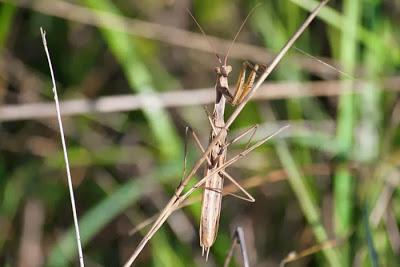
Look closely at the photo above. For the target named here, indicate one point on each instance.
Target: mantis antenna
(234, 39)
(238, 32)
(205, 35)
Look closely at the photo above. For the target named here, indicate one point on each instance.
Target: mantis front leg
(243, 85)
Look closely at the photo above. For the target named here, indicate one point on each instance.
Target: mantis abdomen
(210, 213)
(212, 195)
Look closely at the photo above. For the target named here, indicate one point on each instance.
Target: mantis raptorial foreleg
(243, 85)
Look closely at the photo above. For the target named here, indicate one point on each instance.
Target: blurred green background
(331, 179)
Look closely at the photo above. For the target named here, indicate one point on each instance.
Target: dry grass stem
(294, 256)
(181, 98)
(238, 239)
(69, 178)
(31, 251)
(393, 230)
(384, 198)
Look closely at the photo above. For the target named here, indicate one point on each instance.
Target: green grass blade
(302, 187)
(141, 81)
(343, 180)
(335, 19)
(307, 203)
(104, 212)
(12, 195)
(7, 12)
(370, 242)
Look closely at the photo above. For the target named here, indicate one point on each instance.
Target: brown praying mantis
(215, 153)
(213, 186)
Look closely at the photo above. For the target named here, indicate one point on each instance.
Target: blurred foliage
(126, 165)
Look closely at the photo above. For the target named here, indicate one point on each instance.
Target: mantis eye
(225, 70)
(217, 70)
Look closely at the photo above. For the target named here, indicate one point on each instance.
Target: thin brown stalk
(31, 249)
(392, 230)
(230, 252)
(383, 201)
(294, 256)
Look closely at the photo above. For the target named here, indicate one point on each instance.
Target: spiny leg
(257, 69)
(243, 86)
(248, 84)
(239, 84)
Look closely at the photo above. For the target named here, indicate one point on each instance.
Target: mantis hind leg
(248, 197)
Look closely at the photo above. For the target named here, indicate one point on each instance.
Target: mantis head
(223, 70)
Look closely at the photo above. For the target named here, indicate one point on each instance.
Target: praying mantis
(213, 187)
(215, 153)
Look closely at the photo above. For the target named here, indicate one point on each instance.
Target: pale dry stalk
(69, 178)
